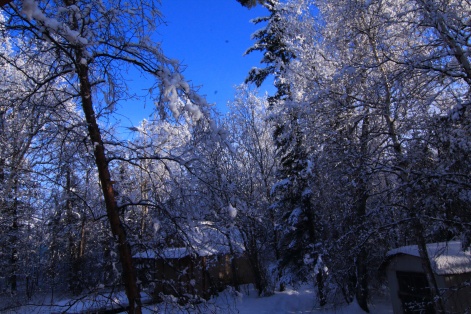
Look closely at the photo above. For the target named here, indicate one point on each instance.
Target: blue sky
(209, 37)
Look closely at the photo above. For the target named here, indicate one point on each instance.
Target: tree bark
(427, 267)
(361, 284)
(73, 277)
(117, 229)
(13, 239)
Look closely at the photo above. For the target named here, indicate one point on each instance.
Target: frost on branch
(32, 12)
(178, 95)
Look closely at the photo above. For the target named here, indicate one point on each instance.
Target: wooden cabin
(207, 265)
(178, 272)
(410, 292)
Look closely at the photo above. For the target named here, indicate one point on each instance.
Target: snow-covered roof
(177, 252)
(447, 258)
(204, 240)
(170, 253)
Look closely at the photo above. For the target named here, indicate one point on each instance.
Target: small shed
(410, 292)
(180, 272)
(208, 263)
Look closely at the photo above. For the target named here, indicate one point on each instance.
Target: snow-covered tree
(296, 214)
(372, 86)
(253, 162)
(24, 115)
(92, 42)
(271, 40)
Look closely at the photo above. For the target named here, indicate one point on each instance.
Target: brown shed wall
(201, 276)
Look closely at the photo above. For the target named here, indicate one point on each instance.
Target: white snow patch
(302, 300)
(232, 211)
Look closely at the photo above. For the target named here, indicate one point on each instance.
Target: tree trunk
(313, 238)
(260, 282)
(427, 267)
(117, 229)
(73, 277)
(320, 287)
(361, 285)
(82, 240)
(361, 288)
(13, 241)
(128, 271)
(275, 244)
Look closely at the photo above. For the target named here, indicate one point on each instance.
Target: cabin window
(414, 293)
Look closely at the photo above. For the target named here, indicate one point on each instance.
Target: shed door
(414, 293)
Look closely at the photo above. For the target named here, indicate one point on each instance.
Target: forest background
(363, 147)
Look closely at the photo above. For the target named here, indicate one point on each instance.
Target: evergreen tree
(271, 41)
(297, 223)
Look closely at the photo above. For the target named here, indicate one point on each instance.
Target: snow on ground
(42, 304)
(290, 301)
